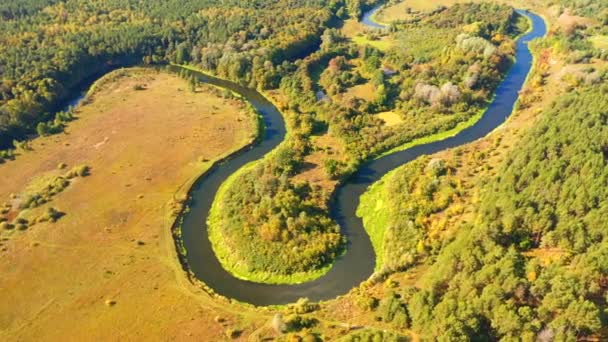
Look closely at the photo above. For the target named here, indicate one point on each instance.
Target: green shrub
(78, 171)
(297, 322)
(392, 310)
(303, 305)
(366, 302)
(50, 215)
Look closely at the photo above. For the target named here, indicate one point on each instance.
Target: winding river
(367, 18)
(357, 264)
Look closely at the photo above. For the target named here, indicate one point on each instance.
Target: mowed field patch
(390, 118)
(600, 41)
(108, 267)
(365, 91)
(361, 35)
(406, 8)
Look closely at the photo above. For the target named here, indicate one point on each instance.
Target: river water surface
(357, 264)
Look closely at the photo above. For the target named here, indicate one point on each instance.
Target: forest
(548, 196)
(50, 48)
(441, 71)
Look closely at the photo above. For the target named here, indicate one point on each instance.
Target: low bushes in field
(57, 125)
(52, 187)
(78, 171)
(50, 215)
(38, 195)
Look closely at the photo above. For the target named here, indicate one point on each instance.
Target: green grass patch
(425, 43)
(437, 136)
(381, 44)
(373, 211)
(599, 41)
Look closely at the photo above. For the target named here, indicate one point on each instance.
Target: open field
(381, 44)
(600, 42)
(364, 91)
(359, 34)
(404, 9)
(110, 264)
(390, 118)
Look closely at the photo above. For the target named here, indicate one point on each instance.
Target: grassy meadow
(145, 137)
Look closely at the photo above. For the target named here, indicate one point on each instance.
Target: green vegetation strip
(438, 136)
(375, 216)
(374, 17)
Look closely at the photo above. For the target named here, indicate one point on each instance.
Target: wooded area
(549, 195)
(48, 51)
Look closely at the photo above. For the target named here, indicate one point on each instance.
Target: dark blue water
(357, 264)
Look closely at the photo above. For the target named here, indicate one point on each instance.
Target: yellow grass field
(600, 42)
(390, 118)
(382, 44)
(108, 269)
(399, 11)
(357, 33)
(365, 91)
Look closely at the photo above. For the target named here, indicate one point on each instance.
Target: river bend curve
(357, 264)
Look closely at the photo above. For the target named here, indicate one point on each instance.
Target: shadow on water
(357, 264)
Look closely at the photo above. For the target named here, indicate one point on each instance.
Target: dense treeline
(549, 197)
(15, 9)
(49, 49)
